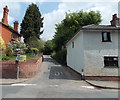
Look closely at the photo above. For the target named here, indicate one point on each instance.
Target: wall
(8, 69)
(95, 50)
(27, 69)
(6, 34)
(75, 56)
(30, 68)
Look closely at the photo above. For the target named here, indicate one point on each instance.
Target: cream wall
(95, 50)
(75, 56)
(89, 53)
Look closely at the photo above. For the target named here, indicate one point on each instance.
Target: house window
(111, 61)
(106, 37)
(73, 45)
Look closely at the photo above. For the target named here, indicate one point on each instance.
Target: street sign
(18, 58)
(21, 58)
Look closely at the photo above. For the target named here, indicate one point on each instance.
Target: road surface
(55, 81)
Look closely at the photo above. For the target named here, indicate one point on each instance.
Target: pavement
(12, 81)
(99, 84)
(105, 84)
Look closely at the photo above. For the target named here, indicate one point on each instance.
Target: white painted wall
(89, 53)
(75, 56)
(95, 50)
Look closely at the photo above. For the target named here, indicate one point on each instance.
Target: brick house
(8, 34)
(94, 51)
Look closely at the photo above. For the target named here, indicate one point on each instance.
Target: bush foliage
(60, 56)
(2, 44)
(12, 46)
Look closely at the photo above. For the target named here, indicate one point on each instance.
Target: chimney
(115, 20)
(5, 15)
(16, 26)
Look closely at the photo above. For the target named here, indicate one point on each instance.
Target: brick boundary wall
(28, 69)
(8, 69)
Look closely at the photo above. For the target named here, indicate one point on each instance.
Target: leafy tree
(34, 42)
(34, 51)
(32, 23)
(48, 47)
(70, 25)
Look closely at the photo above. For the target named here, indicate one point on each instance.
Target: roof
(12, 30)
(94, 27)
(100, 27)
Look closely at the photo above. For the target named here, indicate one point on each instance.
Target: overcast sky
(54, 11)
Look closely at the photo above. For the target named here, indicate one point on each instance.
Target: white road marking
(56, 85)
(57, 65)
(57, 73)
(90, 87)
(53, 85)
(23, 84)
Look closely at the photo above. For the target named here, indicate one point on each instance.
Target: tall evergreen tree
(32, 23)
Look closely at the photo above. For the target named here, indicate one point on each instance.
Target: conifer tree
(32, 23)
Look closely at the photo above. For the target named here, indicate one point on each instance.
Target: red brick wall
(30, 68)
(8, 69)
(27, 69)
(6, 34)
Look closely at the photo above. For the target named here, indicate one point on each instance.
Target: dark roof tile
(100, 27)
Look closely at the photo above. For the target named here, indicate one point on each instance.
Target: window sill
(111, 67)
(106, 41)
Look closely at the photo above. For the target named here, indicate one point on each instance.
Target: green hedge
(60, 56)
(5, 58)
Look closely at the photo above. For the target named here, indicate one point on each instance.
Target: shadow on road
(61, 72)
(58, 71)
(51, 61)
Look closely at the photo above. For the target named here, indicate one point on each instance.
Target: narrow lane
(56, 81)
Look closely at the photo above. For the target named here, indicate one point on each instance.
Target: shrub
(5, 58)
(17, 44)
(34, 42)
(9, 52)
(2, 44)
(48, 47)
(34, 51)
(60, 56)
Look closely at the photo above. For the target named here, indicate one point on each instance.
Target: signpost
(17, 61)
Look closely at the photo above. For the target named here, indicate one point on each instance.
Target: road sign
(18, 58)
(23, 57)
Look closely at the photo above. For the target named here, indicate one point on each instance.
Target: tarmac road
(56, 81)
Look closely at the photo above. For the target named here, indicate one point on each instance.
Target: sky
(54, 11)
